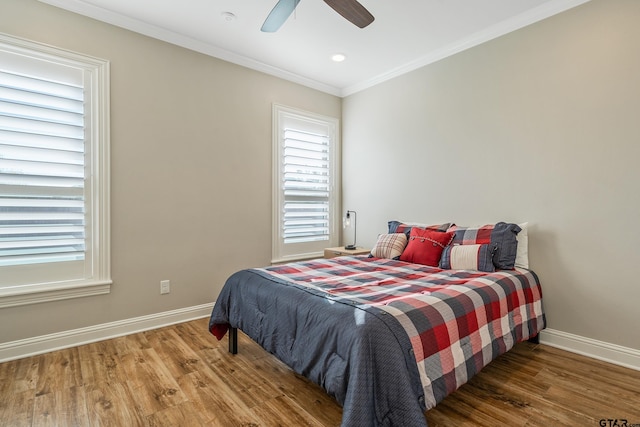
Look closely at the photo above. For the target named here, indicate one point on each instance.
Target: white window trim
(100, 283)
(278, 114)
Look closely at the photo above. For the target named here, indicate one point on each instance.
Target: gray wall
(191, 169)
(540, 125)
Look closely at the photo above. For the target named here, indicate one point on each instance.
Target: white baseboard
(607, 352)
(59, 340)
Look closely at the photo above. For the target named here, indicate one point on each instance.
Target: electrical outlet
(165, 286)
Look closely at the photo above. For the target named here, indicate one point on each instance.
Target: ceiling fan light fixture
(338, 57)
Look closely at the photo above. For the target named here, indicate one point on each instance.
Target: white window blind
(306, 185)
(41, 170)
(54, 174)
(305, 198)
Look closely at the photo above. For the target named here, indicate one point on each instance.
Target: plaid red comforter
(457, 320)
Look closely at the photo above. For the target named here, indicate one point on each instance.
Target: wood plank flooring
(182, 376)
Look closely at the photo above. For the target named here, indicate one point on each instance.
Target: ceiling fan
(351, 10)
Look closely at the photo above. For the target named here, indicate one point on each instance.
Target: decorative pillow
(522, 253)
(389, 245)
(426, 246)
(503, 235)
(468, 257)
(405, 227)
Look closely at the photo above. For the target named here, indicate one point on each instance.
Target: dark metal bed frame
(233, 340)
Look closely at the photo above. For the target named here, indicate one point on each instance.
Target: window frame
(97, 276)
(279, 252)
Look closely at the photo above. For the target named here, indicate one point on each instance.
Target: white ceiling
(406, 34)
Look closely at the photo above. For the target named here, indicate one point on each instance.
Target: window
(305, 189)
(54, 174)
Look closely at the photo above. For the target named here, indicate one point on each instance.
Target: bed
(387, 338)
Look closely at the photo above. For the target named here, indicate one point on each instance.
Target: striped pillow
(389, 246)
(468, 257)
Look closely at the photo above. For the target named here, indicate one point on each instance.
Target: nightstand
(341, 251)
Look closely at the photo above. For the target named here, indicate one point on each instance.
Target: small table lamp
(350, 244)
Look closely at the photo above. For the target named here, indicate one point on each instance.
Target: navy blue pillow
(504, 236)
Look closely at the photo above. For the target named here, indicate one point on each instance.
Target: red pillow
(426, 246)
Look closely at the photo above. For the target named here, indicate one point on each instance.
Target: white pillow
(522, 253)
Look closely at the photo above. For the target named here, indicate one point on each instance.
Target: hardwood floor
(182, 376)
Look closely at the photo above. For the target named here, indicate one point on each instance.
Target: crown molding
(530, 17)
(517, 22)
(82, 8)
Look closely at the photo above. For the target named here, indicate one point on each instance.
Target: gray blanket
(360, 355)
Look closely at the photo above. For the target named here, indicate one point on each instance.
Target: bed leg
(233, 340)
(535, 340)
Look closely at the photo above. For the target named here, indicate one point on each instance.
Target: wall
(191, 169)
(540, 125)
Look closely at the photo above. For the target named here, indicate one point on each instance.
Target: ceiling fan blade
(278, 15)
(352, 11)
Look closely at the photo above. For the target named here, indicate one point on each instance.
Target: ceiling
(406, 34)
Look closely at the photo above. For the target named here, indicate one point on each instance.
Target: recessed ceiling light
(338, 57)
(228, 16)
